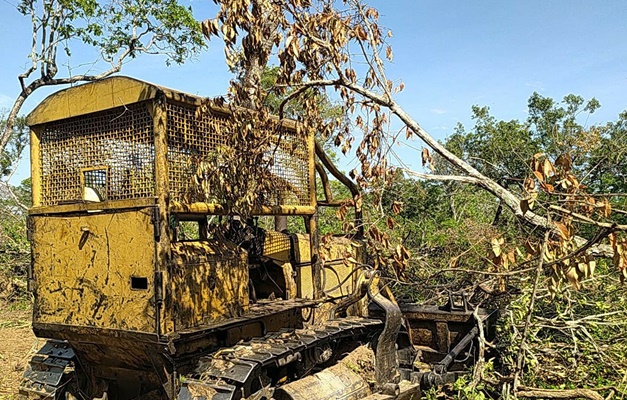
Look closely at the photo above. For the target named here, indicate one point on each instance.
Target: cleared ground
(17, 342)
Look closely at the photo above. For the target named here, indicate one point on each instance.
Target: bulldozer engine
(144, 288)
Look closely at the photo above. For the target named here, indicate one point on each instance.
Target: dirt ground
(17, 342)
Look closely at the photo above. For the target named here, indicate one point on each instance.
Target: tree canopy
(116, 30)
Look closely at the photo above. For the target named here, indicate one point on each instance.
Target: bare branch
(588, 220)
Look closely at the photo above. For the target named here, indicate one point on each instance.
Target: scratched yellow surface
(208, 282)
(82, 268)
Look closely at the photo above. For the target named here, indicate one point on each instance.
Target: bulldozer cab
(120, 217)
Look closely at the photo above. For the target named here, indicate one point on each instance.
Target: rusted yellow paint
(208, 281)
(163, 246)
(114, 92)
(302, 261)
(84, 266)
(302, 249)
(291, 290)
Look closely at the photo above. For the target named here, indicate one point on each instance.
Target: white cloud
(438, 111)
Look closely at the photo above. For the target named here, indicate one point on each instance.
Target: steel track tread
(229, 373)
(47, 368)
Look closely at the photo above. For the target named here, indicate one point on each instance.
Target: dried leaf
(547, 169)
(553, 286)
(426, 157)
(547, 187)
(529, 185)
(607, 208)
(572, 179)
(496, 247)
(520, 253)
(524, 205)
(573, 277)
(352, 260)
(562, 230)
(564, 161)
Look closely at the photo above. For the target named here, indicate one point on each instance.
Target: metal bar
(35, 169)
(213, 208)
(83, 207)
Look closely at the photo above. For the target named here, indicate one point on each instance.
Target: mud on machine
(146, 286)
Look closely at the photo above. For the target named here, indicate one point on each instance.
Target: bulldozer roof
(112, 92)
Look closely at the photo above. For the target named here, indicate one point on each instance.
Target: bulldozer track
(242, 370)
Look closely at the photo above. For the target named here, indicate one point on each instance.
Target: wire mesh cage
(110, 152)
(110, 155)
(194, 136)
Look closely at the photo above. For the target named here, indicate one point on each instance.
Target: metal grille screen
(111, 152)
(192, 138)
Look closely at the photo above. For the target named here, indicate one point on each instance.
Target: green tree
(117, 31)
(608, 163)
(14, 201)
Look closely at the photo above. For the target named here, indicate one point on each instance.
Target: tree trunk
(477, 178)
(558, 394)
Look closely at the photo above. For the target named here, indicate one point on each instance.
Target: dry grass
(17, 342)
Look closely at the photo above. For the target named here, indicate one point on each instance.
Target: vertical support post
(35, 165)
(162, 238)
(164, 322)
(280, 223)
(316, 266)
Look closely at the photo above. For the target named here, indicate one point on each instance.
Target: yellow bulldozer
(147, 287)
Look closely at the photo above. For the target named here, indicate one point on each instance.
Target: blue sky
(450, 55)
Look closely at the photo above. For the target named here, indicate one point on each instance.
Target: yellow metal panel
(302, 256)
(92, 97)
(302, 248)
(277, 246)
(208, 281)
(304, 282)
(84, 268)
(340, 256)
